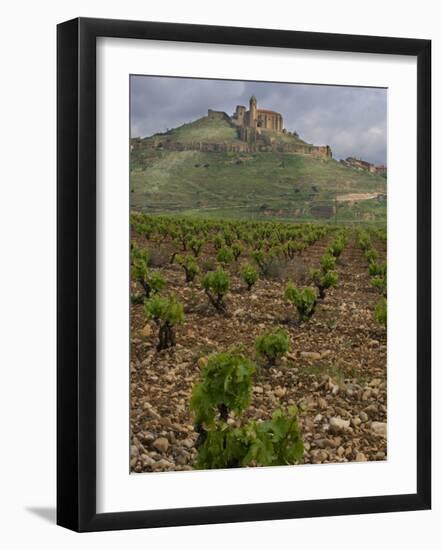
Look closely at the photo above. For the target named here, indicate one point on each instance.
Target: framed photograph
(229, 200)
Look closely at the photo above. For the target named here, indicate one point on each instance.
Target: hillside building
(253, 118)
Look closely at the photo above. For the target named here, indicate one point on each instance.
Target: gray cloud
(352, 120)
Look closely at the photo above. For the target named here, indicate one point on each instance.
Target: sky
(352, 120)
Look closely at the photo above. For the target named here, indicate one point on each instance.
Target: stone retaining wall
(243, 147)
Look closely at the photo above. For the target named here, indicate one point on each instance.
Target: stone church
(253, 118)
(257, 118)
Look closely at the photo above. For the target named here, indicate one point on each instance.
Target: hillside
(243, 185)
(204, 129)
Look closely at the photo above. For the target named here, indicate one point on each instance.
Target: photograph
(216, 355)
(258, 262)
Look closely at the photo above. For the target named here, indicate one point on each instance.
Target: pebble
(147, 460)
(360, 457)
(162, 464)
(134, 450)
(319, 456)
(147, 330)
(322, 403)
(165, 423)
(153, 413)
(181, 459)
(338, 424)
(280, 392)
(161, 444)
(379, 428)
(366, 395)
(188, 443)
(371, 410)
(147, 437)
(308, 423)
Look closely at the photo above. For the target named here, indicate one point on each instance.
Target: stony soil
(335, 372)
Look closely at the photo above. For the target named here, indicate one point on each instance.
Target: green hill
(245, 185)
(204, 129)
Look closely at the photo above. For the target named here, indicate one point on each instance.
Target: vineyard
(256, 343)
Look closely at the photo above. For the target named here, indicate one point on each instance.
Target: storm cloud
(352, 120)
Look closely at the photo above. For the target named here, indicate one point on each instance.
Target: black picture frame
(76, 274)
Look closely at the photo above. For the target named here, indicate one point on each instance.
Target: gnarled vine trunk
(166, 336)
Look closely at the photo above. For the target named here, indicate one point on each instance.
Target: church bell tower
(252, 112)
